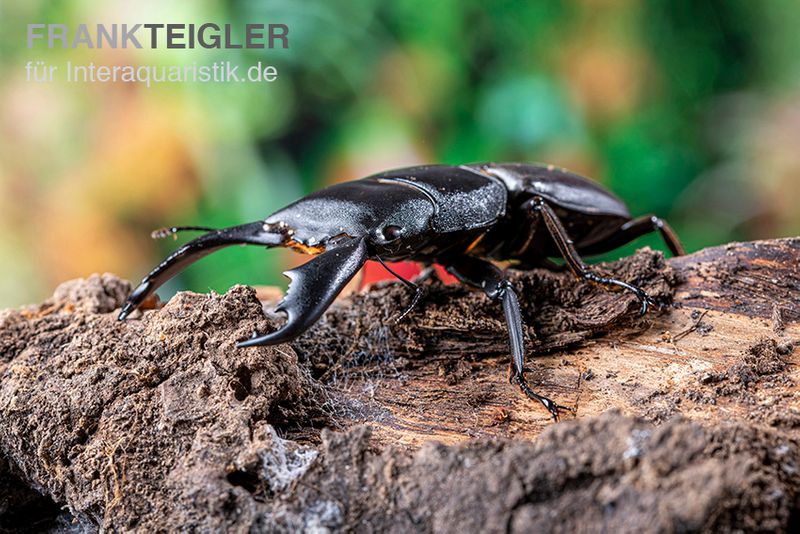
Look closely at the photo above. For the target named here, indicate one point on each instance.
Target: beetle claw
(646, 301)
(418, 292)
(312, 288)
(554, 408)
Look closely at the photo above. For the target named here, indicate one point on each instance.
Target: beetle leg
(410, 285)
(573, 259)
(256, 233)
(642, 226)
(484, 275)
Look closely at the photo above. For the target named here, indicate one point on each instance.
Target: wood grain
(723, 350)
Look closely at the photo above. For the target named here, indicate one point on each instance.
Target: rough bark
(686, 419)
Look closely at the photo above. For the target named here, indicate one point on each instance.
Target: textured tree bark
(161, 423)
(721, 350)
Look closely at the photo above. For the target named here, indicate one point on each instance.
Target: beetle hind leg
(573, 259)
(638, 227)
(484, 275)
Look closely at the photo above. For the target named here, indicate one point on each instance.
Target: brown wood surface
(696, 359)
(161, 420)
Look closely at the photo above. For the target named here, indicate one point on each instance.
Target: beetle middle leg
(484, 275)
(573, 259)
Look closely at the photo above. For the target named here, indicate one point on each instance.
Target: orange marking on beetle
(305, 249)
(475, 243)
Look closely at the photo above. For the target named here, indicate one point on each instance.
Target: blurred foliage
(687, 109)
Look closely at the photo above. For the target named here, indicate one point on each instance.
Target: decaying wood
(717, 353)
(161, 423)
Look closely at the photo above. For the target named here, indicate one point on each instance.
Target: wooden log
(161, 423)
(723, 349)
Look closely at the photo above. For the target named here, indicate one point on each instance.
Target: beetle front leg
(573, 259)
(484, 275)
(416, 288)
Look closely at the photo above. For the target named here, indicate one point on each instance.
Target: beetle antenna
(161, 233)
(410, 285)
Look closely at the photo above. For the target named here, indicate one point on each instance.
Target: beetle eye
(392, 232)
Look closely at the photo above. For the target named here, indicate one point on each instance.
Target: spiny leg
(484, 275)
(573, 259)
(642, 226)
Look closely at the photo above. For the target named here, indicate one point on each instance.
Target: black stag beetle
(461, 217)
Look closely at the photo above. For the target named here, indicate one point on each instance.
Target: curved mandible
(255, 233)
(312, 288)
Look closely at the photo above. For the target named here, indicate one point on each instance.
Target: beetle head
(393, 218)
(345, 224)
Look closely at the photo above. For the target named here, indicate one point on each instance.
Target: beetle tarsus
(485, 275)
(418, 291)
(554, 408)
(567, 248)
(644, 299)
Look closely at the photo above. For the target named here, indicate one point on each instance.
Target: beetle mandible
(461, 217)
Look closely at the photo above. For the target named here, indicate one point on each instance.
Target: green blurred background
(688, 109)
